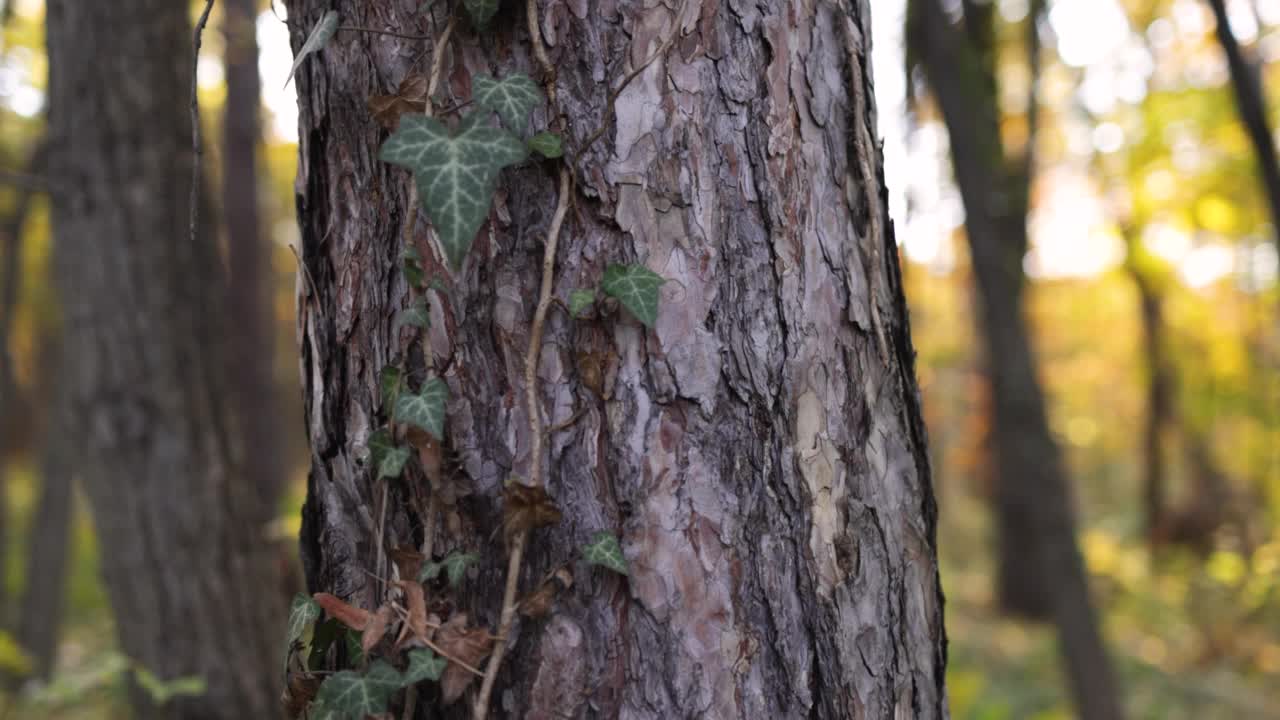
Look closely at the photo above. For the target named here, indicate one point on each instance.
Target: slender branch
(437, 62)
(509, 604)
(196, 148)
(540, 50)
(404, 615)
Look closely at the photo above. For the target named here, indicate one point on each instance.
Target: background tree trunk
(184, 567)
(1041, 571)
(1251, 102)
(765, 470)
(250, 347)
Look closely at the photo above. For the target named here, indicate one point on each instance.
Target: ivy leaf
(546, 144)
(455, 174)
(302, 612)
(322, 638)
(636, 287)
(390, 380)
(387, 457)
(426, 409)
(481, 11)
(454, 564)
(411, 265)
(416, 315)
(423, 665)
(604, 550)
(353, 696)
(319, 37)
(512, 97)
(580, 300)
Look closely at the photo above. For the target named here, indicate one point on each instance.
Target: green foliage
(303, 611)
(390, 380)
(162, 691)
(411, 265)
(423, 665)
(636, 287)
(319, 37)
(605, 550)
(388, 459)
(580, 300)
(454, 564)
(455, 173)
(426, 409)
(480, 11)
(351, 696)
(546, 144)
(416, 315)
(513, 98)
(12, 659)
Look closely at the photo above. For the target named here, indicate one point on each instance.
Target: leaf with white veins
(455, 173)
(319, 37)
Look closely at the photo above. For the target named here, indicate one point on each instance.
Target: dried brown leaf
(526, 508)
(345, 613)
(299, 691)
(408, 561)
(539, 602)
(416, 600)
(410, 97)
(376, 628)
(458, 642)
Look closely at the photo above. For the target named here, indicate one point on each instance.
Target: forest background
(1146, 205)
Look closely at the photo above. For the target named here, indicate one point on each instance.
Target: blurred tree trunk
(10, 290)
(765, 469)
(1246, 83)
(250, 348)
(183, 559)
(1041, 571)
(48, 540)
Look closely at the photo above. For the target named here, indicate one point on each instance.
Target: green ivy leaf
(636, 287)
(481, 11)
(162, 691)
(454, 564)
(580, 300)
(423, 665)
(606, 551)
(416, 315)
(455, 173)
(411, 265)
(426, 409)
(546, 144)
(303, 611)
(387, 457)
(353, 696)
(319, 37)
(390, 380)
(512, 97)
(322, 638)
(355, 648)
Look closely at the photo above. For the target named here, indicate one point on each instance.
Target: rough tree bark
(1041, 571)
(184, 569)
(765, 469)
(251, 352)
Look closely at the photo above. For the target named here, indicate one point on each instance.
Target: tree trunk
(1246, 83)
(250, 348)
(183, 564)
(1041, 571)
(48, 541)
(764, 468)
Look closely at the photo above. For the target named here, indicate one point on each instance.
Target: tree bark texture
(1041, 571)
(765, 470)
(183, 565)
(250, 347)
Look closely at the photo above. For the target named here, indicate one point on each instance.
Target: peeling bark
(765, 471)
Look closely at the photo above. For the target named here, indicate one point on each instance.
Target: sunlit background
(1137, 120)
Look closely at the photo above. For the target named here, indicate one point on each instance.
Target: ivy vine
(455, 168)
